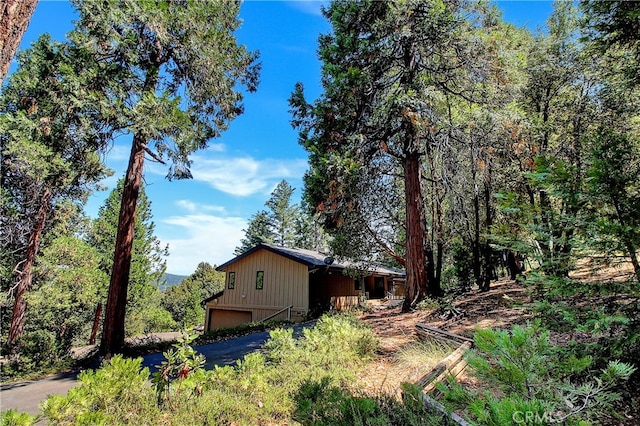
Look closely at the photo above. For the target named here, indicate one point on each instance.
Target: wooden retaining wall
(453, 364)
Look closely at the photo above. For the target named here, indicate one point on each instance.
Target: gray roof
(315, 259)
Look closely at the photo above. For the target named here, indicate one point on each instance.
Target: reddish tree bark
(96, 324)
(113, 328)
(114, 316)
(14, 20)
(25, 280)
(416, 284)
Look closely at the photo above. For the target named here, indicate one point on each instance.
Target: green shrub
(337, 346)
(37, 353)
(148, 320)
(522, 372)
(428, 304)
(319, 403)
(13, 418)
(259, 389)
(239, 330)
(181, 362)
(116, 393)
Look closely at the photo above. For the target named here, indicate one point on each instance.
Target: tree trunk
(25, 279)
(113, 327)
(434, 271)
(14, 20)
(416, 284)
(512, 265)
(475, 247)
(435, 289)
(96, 324)
(632, 250)
(431, 267)
(488, 258)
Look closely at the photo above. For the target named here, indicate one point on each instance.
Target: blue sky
(202, 219)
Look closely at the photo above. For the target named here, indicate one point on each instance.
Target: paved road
(25, 396)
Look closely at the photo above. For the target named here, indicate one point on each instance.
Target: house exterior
(270, 281)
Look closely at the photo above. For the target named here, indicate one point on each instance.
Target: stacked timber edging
(453, 364)
(427, 332)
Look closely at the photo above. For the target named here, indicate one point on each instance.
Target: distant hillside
(171, 280)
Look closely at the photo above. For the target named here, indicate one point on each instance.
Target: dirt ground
(501, 307)
(498, 308)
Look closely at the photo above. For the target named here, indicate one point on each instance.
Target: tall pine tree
(148, 263)
(175, 69)
(50, 143)
(384, 68)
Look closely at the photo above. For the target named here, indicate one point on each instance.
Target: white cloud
(244, 176)
(239, 176)
(217, 147)
(192, 207)
(120, 151)
(204, 238)
(309, 7)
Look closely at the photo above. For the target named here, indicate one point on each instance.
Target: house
(269, 281)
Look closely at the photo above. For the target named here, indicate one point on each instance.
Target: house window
(259, 280)
(358, 284)
(232, 280)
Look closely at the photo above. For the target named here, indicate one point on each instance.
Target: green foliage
(522, 372)
(50, 149)
(610, 322)
(428, 304)
(13, 418)
(614, 189)
(387, 72)
(330, 347)
(148, 262)
(180, 363)
(65, 299)
(153, 319)
(320, 403)
(193, 46)
(240, 330)
(117, 393)
(72, 286)
(577, 205)
(259, 389)
(39, 355)
(462, 266)
(283, 214)
(172, 73)
(257, 232)
(184, 301)
(284, 224)
(613, 26)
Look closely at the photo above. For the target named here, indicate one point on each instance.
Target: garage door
(219, 318)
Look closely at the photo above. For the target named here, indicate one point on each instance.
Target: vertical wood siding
(285, 283)
(335, 284)
(333, 290)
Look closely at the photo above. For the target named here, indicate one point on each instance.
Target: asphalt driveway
(25, 396)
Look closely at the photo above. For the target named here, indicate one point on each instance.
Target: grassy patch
(422, 355)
